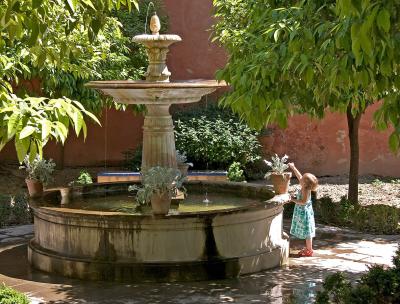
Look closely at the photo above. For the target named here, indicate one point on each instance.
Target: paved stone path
(16, 234)
(335, 249)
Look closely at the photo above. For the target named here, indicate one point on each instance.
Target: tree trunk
(353, 123)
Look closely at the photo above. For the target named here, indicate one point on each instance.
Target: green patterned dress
(303, 224)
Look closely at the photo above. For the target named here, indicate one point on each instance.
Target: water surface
(192, 203)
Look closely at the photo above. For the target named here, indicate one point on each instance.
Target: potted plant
(183, 165)
(39, 173)
(279, 178)
(159, 185)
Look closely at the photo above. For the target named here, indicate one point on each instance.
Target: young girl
(303, 224)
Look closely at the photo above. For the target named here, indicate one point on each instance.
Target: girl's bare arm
(305, 196)
(295, 171)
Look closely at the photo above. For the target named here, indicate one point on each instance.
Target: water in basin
(192, 203)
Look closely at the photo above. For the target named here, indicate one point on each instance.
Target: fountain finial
(155, 24)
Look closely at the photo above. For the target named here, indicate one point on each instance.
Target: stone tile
(341, 250)
(11, 240)
(17, 230)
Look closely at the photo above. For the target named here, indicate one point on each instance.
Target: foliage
(32, 122)
(14, 210)
(377, 183)
(158, 180)
(381, 219)
(39, 169)
(29, 47)
(214, 138)
(378, 218)
(278, 165)
(112, 55)
(235, 173)
(181, 158)
(11, 296)
(289, 57)
(309, 55)
(133, 159)
(378, 285)
(84, 178)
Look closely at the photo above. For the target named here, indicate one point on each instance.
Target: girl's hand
(291, 165)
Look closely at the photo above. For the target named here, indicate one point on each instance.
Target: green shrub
(378, 285)
(11, 296)
(381, 219)
(133, 159)
(214, 138)
(84, 178)
(14, 210)
(235, 173)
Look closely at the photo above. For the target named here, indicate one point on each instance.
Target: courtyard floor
(335, 249)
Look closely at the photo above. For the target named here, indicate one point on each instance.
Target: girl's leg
(309, 244)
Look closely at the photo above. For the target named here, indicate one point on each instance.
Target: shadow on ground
(295, 284)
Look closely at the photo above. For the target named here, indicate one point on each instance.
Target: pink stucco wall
(317, 146)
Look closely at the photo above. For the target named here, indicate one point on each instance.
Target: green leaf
(36, 3)
(21, 146)
(276, 34)
(394, 142)
(355, 42)
(72, 4)
(383, 20)
(12, 125)
(46, 129)
(28, 130)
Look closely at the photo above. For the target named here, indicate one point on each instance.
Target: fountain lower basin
(119, 246)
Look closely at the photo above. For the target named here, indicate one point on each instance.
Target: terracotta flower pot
(281, 182)
(35, 188)
(160, 203)
(183, 168)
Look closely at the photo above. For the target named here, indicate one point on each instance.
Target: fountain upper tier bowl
(145, 92)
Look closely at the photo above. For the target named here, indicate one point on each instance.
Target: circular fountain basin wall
(127, 247)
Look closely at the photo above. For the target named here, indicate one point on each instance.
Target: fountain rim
(84, 191)
(143, 84)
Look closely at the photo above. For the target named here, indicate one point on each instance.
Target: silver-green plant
(39, 169)
(181, 158)
(278, 165)
(158, 180)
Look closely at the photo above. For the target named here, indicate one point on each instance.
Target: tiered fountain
(99, 235)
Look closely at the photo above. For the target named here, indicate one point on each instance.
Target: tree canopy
(310, 56)
(46, 39)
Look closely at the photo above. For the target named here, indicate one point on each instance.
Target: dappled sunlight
(336, 249)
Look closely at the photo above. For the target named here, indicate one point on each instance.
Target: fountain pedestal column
(158, 138)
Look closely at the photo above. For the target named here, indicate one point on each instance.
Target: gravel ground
(372, 189)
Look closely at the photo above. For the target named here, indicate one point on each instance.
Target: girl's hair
(310, 182)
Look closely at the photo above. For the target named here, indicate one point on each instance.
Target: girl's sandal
(306, 253)
(302, 251)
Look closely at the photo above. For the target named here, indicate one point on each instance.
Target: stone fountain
(99, 235)
(157, 93)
